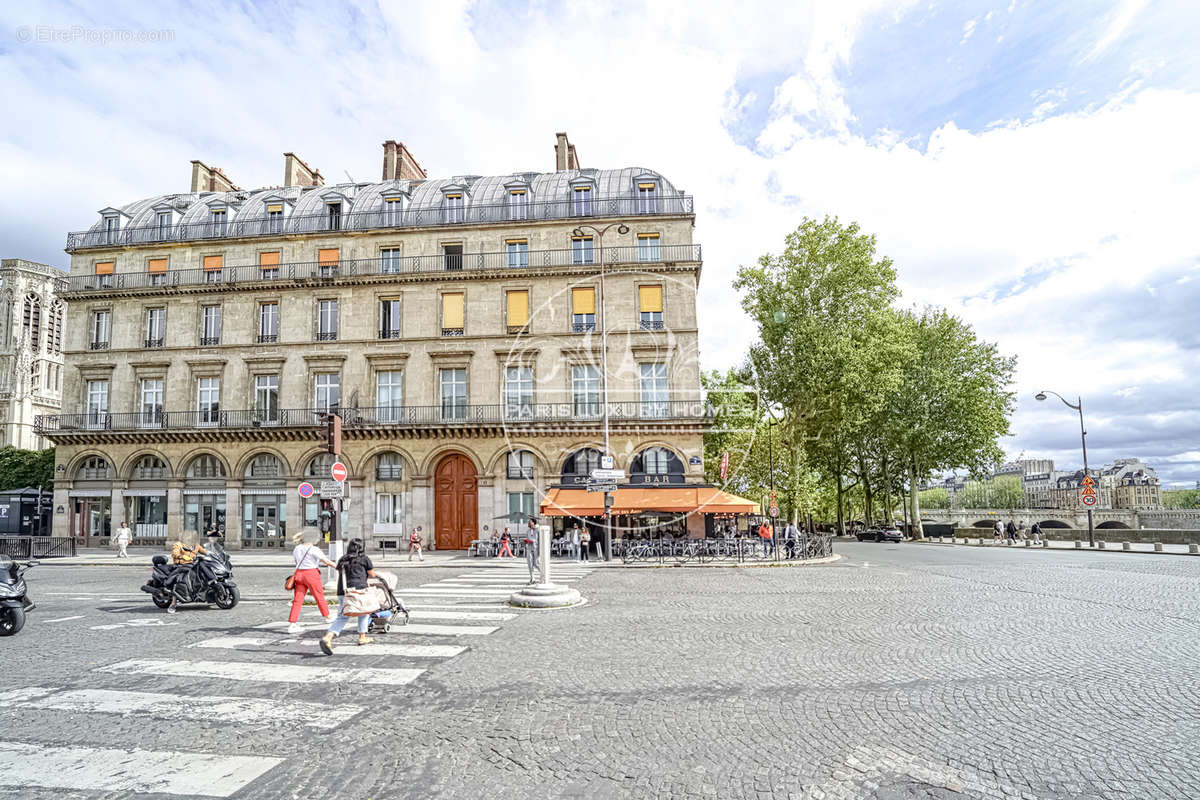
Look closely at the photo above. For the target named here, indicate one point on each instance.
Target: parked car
(881, 535)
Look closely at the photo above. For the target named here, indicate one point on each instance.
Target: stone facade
(31, 349)
(227, 343)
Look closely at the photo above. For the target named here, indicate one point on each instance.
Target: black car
(881, 535)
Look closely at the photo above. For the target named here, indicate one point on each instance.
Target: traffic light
(325, 521)
(333, 434)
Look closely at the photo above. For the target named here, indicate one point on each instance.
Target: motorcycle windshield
(6, 569)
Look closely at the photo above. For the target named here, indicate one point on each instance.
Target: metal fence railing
(37, 546)
(743, 549)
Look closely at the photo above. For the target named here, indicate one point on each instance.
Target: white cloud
(1118, 22)
(968, 29)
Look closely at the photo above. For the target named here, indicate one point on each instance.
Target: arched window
(520, 464)
(319, 466)
(264, 465)
(33, 320)
(206, 466)
(94, 468)
(149, 468)
(389, 467)
(579, 465)
(656, 465)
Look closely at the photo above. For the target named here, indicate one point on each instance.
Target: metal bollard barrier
(1158, 547)
(1125, 546)
(1078, 545)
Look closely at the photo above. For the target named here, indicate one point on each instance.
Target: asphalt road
(902, 671)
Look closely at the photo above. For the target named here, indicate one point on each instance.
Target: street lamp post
(1077, 406)
(622, 229)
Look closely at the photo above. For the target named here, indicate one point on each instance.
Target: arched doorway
(456, 502)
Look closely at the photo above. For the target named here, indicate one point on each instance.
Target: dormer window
(216, 219)
(393, 211)
(275, 217)
(162, 223)
(453, 208)
(647, 197)
(334, 215)
(518, 203)
(112, 229)
(581, 201)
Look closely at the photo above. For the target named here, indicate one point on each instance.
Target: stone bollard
(1078, 545)
(1045, 542)
(1125, 546)
(1193, 549)
(1028, 543)
(1100, 544)
(1158, 547)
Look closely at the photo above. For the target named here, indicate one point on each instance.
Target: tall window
(162, 221)
(104, 274)
(327, 320)
(97, 404)
(265, 465)
(152, 402)
(32, 324)
(268, 265)
(518, 392)
(268, 322)
(452, 314)
(585, 390)
(213, 268)
(217, 219)
(655, 460)
(583, 309)
(389, 318)
(582, 201)
(334, 211)
(266, 398)
(112, 229)
(520, 464)
(327, 261)
(452, 208)
(452, 257)
(454, 393)
(518, 204)
(517, 310)
(389, 261)
(648, 247)
(392, 210)
(156, 269)
(275, 218)
(389, 395)
(101, 330)
(650, 306)
(647, 198)
(54, 334)
(327, 391)
(389, 509)
(210, 325)
(581, 250)
(208, 401)
(518, 252)
(389, 467)
(156, 326)
(520, 507)
(654, 390)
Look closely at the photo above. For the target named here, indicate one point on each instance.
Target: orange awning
(705, 499)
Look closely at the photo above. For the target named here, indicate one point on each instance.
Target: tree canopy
(21, 468)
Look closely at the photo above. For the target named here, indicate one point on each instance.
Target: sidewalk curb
(812, 562)
(1022, 548)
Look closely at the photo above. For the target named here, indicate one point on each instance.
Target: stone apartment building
(456, 324)
(31, 349)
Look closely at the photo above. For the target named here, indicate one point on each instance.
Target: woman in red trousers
(308, 581)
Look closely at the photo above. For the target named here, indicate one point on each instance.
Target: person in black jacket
(1010, 531)
(353, 570)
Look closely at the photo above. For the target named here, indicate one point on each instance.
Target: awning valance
(705, 499)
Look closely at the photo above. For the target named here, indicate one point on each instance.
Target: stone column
(116, 511)
(293, 511)
(174, 510)
(60, 523)
(233, 515)
(422, 509)
(487, 502)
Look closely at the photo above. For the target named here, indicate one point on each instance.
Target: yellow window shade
(454, 197)
(516, 191)
(645, 185)
(156, 265)
(518, 307)
(516, 241)
(452, 310)
(583, 301)
(273, 209)
(268, 260)
(583, 188)
(647, 235)
(105, 267)
(651, 298)
(326, 257)
(213, 262)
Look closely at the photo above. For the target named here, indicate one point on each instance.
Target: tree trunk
(915, 500)
(841, 516)
(868, 502)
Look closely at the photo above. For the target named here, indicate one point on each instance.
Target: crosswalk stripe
(248, 710)
(263, 673)
(423, 606)
(293, 645)
(443, 630)
(128, 771)
(474, 616)
(449, 591)
(386, 649)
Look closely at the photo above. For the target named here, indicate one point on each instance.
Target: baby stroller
(391, 608)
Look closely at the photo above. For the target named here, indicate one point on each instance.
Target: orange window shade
(583, 301)
(275, 208)
(212, 263)
(518, 307)
(105, 267)
(452, 310)
(651, 298)
(327, 257)
(156, 265)
(268, 260)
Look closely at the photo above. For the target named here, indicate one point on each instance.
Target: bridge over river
(1103, 518)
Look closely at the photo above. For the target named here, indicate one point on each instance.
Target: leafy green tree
(1004, 491)
(21, 468)
(934, 498)
(1181, 498)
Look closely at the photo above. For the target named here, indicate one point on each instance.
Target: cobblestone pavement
(902, 671)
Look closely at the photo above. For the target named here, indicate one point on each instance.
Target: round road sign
(305, 490)
(338, 471)
(773, 511)
(1089, 499)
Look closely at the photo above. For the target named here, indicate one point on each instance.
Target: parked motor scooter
(14, 601)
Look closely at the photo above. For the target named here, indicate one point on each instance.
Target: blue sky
(1029, 165)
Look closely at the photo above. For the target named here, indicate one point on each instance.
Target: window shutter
(327, 257)
(268, 260)
(156, 265)
(452, 310)
(518, 308)
(275, 208)
(213, 263)
(105, 267)
(651, 298)
(583, 301)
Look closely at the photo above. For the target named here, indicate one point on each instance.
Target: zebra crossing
(446, 617)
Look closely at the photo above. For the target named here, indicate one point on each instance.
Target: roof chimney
(209, 179)
(297, 173)
(398, 162)
(564, 153)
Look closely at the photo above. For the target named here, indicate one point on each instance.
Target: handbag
(289, 583)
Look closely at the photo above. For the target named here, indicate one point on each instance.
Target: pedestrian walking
(414, 546)
(1010, 530)
(1021, 530)
(306, 580)
(354, 598)
(997, 530)
(531, 549)
(576, 538)
(505, 544)
(768, 540)
(585, 544)
(122, 539)
(1036, 533)
(790, 535)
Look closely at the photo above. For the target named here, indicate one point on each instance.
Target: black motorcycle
(13, 600)
(208, 579)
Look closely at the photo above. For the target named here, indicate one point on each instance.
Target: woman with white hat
(307, 580)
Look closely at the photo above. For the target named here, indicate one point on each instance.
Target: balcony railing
(481, 214)
(372, 417)
(368, 267)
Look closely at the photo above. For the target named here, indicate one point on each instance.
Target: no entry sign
(338, 471)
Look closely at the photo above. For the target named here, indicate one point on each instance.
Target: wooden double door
(456, 503)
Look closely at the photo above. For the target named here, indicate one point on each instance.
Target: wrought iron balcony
(327, 336)
(268, 338)
(373, 417)
(154, 343)
(482, 214)
(210, 341)
(98, 345)
(352, 269)
(389, 333)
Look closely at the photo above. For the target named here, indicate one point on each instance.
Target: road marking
(133, 623)
(473, 616)
(128, 771)
(433, 588)
(320, 716)
(423, 606)
(290, 644)
(443, 630)
(407, 650)
(263, 673)
(62, 619)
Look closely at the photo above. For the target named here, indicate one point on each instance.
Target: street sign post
(335, 490)
(1087, 491)
(597, 486)
(338, 471)
(606, 462)
(773, 511)
(608, 474)
(305, 490)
